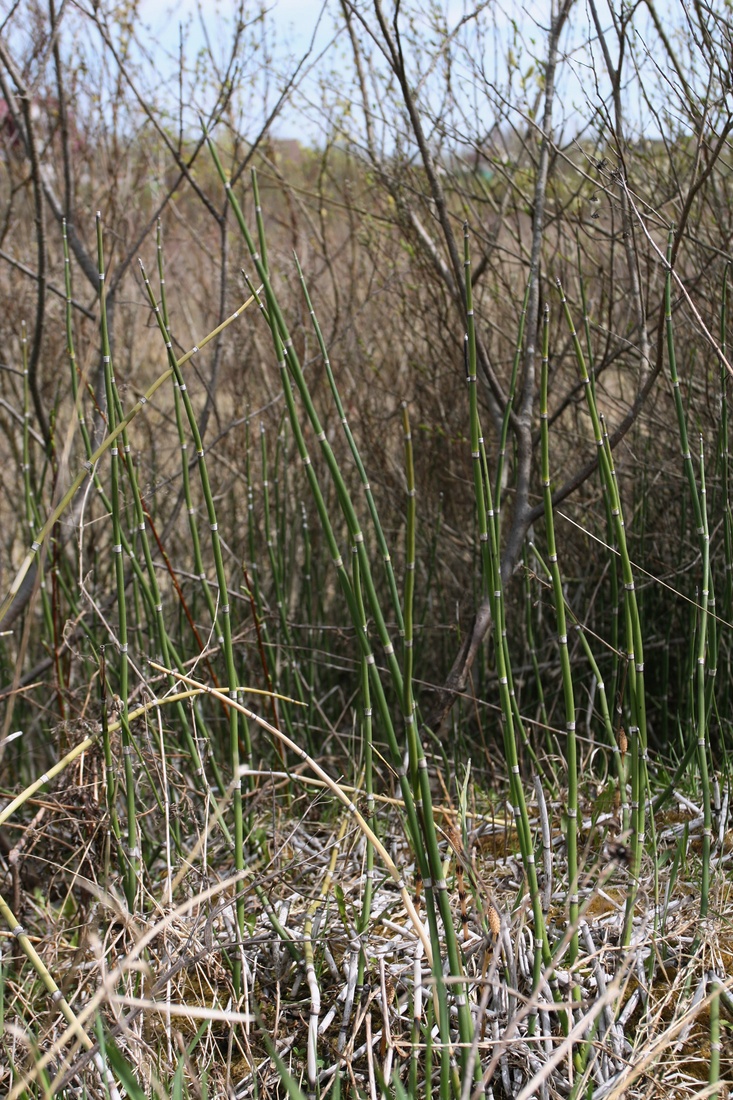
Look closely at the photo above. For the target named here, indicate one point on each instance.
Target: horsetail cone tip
(623, 741)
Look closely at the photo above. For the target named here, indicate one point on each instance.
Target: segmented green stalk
(408, 702)
(367, 741)
(274, 551)
(699, 520)
(166, 646)
(260, 221)
(29, 517)
(369, 496)
(634, 642)
(566, 671)
(283, 545)
(532, 643)
(501, 458)
(223, 618)
(132, 869)
(681, 418)
(32, 515)
(183, 444)
(476, 438)
(481, 469)
(110, 775)
(88, 466)
(252, 574)
(586, 319)
(706, 643)
(58, 1000)
(151, 590)
(725, 452)
(275, 564)
(600, 687)
(428, 602)
(702, 750)
(252, 527)
(147, 582)
(428, 854)
(309, 587)
(610, 529)
(429, 1025)
(490, 556)
(408, 705)
(70, 352)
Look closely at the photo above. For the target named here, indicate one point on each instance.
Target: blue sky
(291, 26)
(291, 23)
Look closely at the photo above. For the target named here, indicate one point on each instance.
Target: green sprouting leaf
(123, 1071)
(340, 902)
(177, 1091)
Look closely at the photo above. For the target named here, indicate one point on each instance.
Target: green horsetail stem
(705, 643)
(429, 854)
(586, 319)
(501, 458)
(148, 580)
(367, 741)
(166, 646)
(695, 496)
(277, 570)
(426, 850)
(724, 451)
(369, 496)
(614, 608)
(310, 588)
(679, 409)
(490, 557)
(408, 703)
(634, 642)
(110, 775)
(479, 488)
(222, 621)
(529, 604)
(58, 999)
(701, 706)
(362, 923)
(518, 720)
(183, 444)
(565, 667)
(131, 869)
(30, 498)
(88, 467)
(601, 688)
